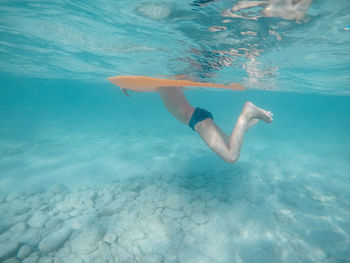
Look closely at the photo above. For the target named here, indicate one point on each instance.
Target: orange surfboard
(148, 84)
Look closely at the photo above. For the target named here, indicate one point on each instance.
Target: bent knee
(231, 158)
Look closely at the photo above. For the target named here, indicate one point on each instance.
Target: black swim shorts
(198, 116)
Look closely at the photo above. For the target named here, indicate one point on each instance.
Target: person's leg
(227, 147)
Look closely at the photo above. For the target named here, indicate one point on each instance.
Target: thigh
(213, 136)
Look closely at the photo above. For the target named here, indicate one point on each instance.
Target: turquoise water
(88, 175)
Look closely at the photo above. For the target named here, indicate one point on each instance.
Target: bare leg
(227, 147)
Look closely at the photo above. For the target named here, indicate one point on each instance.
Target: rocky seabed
(132, 221)
(153, 219)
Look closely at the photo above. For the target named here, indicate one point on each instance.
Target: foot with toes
(252, 114)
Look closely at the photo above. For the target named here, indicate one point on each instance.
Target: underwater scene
(96, 172)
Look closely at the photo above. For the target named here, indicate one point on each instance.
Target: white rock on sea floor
(86, 242)
(57, 189)
(8, 249)
(45, 260)
(72, 259)
(52, 223)
(188, 209)
(122, 254)
(104, 199)
(33, 258)
(11, 236)
(79, 201)
(31, 237)
(62, 216)
(176, 201)
(153, 258)
(54, 240)
(64, 206)
(24, 251)
(58, 197)
(113, 207)
(80, 222)
(187, 224)
(110, 238)
(18, 207)
(38, 220)
(108, 197)
(198, 206)
(199, 218)
(18, 229)
(175, 214)
(11, 260)
(34, 201)
(128, 196)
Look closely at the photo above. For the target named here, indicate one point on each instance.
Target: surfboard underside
(149, 84)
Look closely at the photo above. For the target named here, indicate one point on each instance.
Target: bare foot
(253, 114)
(251, 123)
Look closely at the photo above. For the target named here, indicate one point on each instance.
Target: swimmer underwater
(228, 147)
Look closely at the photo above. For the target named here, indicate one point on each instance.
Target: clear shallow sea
(88, 175)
